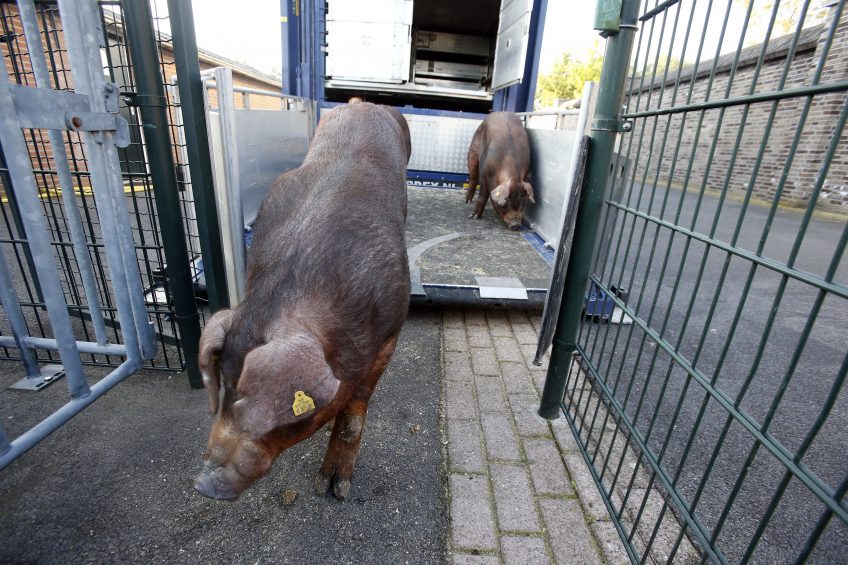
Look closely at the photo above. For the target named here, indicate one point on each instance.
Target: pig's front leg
(482, 198)
(340, 459)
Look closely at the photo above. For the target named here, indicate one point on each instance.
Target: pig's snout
(515, 226)
(211, 483)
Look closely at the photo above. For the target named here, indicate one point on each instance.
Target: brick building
(722, 149)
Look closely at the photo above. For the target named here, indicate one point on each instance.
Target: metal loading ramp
(462, 261)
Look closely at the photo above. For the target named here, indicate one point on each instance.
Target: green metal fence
(710, 404)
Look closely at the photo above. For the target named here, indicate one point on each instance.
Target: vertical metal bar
(20, 169)
(80, 21)
(231, 198)
(197, 146)
(601, 146)
(9, 297)
(63, 170)
(152, 102)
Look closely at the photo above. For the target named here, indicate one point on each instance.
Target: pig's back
(329, 239)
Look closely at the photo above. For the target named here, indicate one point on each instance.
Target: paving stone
(563, 435)
(569, 536)
(539, 378)
(453, 319)
(483, 361)
(546, 467)
(472, 523)
(478, 336)
(507, 349)
(610, 543)
(529, 352)
(668, 531)
(585, 486)
(490, 394)
(498, 323)
(513, 498)
(536, 321)
(525, 410)
(480, 559)
(455, 339)
(465, 446)
(475, 318)
(525, 334)
(524, 550)
(457, 366)
(516, 378)
(459, 400)
(517, 317)
(499, 437)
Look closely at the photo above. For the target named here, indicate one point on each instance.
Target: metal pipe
(17, 155)
(63, 170)
(152, 103)
(9, 297)
(190, 87)
(230, 199)
(602, 143)
(31, 342)
(53, 422)
(80, 20)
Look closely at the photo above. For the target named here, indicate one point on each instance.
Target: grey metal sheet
(440, 143)
(552, 152)
(269, 142)
(511, 46)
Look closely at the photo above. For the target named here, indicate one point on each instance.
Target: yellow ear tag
(302, 403)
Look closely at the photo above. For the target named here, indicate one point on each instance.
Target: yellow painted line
(84, 191)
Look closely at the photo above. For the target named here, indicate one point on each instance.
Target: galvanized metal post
(197, 146)
(605, 127)
(151, 99)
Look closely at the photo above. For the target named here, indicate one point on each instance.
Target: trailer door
(511, 47)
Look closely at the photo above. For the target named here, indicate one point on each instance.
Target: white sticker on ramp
(510, 288)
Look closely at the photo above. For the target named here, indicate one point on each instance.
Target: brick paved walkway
(519, 489)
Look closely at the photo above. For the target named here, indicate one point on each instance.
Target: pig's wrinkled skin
(327, 293)
(499, 159)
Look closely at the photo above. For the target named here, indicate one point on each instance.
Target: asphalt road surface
(114, 484)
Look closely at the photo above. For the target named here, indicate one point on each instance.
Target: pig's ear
(500, 194)
(528, 188)
(211, 343)
(282, 382)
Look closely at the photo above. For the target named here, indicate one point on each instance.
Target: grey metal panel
(440, 143)
(552, 152)
(269, 142)
(511, 47)
(452, 43)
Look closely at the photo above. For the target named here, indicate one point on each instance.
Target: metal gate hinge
(612, 124)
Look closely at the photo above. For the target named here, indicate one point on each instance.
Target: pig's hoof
(474, 216)
(341, 488)
(322, 484)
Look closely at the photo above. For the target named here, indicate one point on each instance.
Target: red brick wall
(655, 142)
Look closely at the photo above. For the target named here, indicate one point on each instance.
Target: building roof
(115, 23)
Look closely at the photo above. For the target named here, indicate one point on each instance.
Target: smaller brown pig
(326, 295)
(499, 159)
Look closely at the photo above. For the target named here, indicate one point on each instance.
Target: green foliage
(786, 19)
(566, 79)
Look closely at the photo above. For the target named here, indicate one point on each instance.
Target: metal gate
(91, 110)
(161, 188)
(713, 417)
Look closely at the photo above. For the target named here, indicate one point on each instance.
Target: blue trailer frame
(303, 66)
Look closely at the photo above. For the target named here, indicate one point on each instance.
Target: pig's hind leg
(482, 198)
(340, 459)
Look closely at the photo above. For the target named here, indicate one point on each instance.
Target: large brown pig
(499, 159)
(327, 293)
